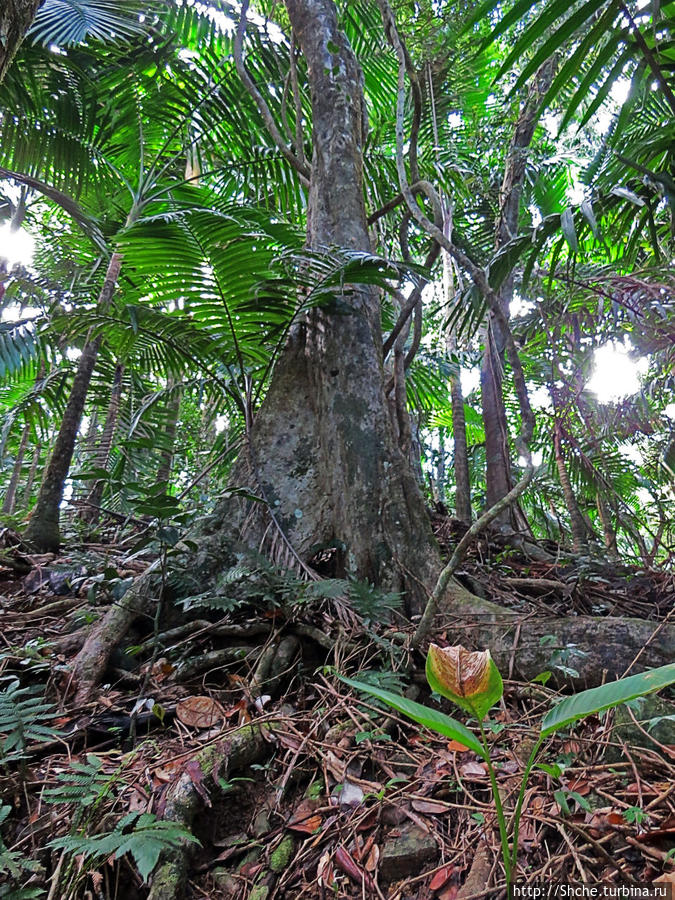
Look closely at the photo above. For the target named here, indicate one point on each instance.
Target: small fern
(327, 589)
(16, 867)
(142, 835)
(84, 785)
(371, 603)
(21, 716)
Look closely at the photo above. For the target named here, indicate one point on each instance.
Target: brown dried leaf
(324, 871)
(346, 864)
(137, 801)
(193, 769)
(581, 786)
(305, 819)
(372, 859)
(289, 741)
(430, 807)
(472, 770)
(456, 747)
(200, 712)
(441, 878)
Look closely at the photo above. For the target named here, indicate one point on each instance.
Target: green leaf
(423, 715)
(627, 194)
(588, 214)
(568, 229)
(607, 696)
(555, 771)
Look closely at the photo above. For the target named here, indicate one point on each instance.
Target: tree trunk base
(523, 645)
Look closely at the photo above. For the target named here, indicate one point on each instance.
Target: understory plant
(474, 683)
(92, 794)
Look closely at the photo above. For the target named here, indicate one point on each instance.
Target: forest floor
(333, 796)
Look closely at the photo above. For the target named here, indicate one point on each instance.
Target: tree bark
(321, 449)
(92, 511)
(608, 645)
(461, 453)
(43, 529)
(30, 481)
(16, 17)
(10, 496)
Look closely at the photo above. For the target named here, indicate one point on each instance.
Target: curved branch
(408, 307)
(301, 167)
(480, 279)
(460, 552)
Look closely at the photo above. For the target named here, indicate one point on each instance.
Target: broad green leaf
(595, 700)
(423, 715)
(587, 213)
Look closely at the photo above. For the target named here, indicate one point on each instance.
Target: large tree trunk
(321, 452)
(43, 528)
(16, 17)
(321, 448)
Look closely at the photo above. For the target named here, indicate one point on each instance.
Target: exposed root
(92, 660)
(215, 659)
(243, 747)
(479, 874)
(598, 648)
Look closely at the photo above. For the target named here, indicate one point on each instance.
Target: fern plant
(142, 835)
(92, 792)
(16, 867)
(23, 715)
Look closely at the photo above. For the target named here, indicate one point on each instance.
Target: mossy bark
(243, 747)
(523, 646)
(321, 448)
(16, 17)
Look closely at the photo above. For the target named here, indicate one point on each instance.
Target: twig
(460, 552)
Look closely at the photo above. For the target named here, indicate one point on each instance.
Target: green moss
(259, 892)
(282, 855)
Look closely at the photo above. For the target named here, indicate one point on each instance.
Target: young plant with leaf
(473, 682)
